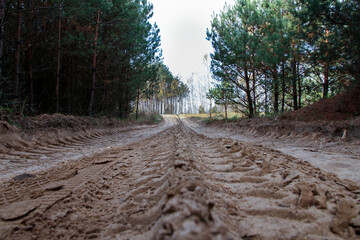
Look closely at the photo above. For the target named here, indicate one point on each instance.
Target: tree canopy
(282, 54)
(78, 57)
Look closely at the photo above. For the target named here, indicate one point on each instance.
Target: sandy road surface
(174, 183)
(342, 158)
(23, 157)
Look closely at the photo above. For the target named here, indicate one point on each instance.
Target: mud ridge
(26, 153)
(327, 131)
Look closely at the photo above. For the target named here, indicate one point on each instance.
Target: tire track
(179, 184)
(262, 194)
(20, 156)
(41, 193)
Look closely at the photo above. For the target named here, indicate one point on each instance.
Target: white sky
(183, 25)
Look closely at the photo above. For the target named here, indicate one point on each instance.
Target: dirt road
(340, 156)
(170, 182)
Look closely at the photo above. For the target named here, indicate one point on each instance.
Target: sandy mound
(16, 128)
(329, 130)
(329, 119)
(341, 107)
(58, 121)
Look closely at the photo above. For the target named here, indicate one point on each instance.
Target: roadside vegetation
(144, 117)
(275, 56)
(215, 116)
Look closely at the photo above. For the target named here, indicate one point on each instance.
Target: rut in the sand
(19, 155)
(179, 184)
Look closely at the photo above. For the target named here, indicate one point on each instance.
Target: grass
(146, 118)
(6, 109)
(156, 118)
(215, 116)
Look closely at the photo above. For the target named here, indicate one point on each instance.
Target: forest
(168, 98)
(275, 56)
(102, 57)
(92, 57)
(94, 143)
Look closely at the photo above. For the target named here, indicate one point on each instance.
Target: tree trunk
(153, 104)
(299, 84)
(137, 104)
(104, 97)
(225, 112)
(276, 90)
(30, 73)
(157, 105)
(326, 81)
(127, 103)
(326, 70)
(266, 100)
(254, 90)
(17, 52)
(283, 86)
(248, 93)
(69, 90)
(294, 83)
(161, 106)
(94, 64)
(266, 95)
(2, 37)
(58, 60)
(210, 108)
(170, 105)
(182, 106)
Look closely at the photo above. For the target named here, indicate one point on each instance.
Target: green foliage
(214, 109)
(201, 109)
(6, 109)
(223, 93)
(283, 54)
(144, 117)
(208, 120)
(127, 54)
(169, 88)
(156, 118)
(334, 28)
(233, 118)
(220, 117)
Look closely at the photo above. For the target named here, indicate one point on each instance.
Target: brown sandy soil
(31, 144)
(341, 107)
(326, 133)
(173, 182)
(330, 145)
(58, 121)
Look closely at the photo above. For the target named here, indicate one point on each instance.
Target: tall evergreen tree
(74, 49)
(282, 47)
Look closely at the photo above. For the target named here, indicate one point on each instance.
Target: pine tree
(223, 94)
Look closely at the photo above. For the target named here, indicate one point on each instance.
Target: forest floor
(180, 179)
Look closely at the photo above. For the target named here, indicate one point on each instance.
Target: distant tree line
(78, 57)
(275, 55)
(167, 95)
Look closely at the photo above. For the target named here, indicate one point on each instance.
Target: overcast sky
(183, 26)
